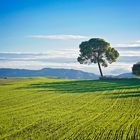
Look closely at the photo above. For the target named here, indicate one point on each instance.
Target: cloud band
(59, 37)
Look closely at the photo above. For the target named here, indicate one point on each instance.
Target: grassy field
(52, 109)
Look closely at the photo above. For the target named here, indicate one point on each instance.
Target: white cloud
(129, 53)
(128, 45)
(65, 53)
(131, 44)
(138, 41)
(59, 37)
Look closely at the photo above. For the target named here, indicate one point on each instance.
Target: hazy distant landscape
(68, 59)
(57, 73)
(54, 73)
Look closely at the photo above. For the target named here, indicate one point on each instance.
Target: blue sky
(50, 25)
(117, 21)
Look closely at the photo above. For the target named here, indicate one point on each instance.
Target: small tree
(98, 51)
(136, 69)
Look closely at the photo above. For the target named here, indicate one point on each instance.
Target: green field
(53, 109)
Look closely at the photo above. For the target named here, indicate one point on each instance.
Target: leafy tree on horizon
(136, 69)
(98, 51)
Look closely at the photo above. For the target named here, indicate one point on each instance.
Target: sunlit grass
(44, 108)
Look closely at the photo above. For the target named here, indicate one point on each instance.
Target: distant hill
(50, 72)
(126, 75)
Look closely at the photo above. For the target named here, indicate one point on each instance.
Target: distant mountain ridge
(126, 75)
(50, 72)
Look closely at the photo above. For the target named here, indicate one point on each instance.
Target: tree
(136, 69)
(98, 51)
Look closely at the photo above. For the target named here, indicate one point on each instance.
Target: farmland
(46, 108)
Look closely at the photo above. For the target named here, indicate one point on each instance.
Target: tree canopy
(98, 51)
(136, 69)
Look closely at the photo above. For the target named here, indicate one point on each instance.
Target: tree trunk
(100, 69)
